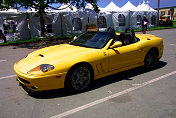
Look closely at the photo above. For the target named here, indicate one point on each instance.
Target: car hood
(50, 55)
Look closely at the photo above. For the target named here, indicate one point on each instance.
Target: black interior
(128, 37)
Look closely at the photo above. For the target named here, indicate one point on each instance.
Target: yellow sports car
(91, 56)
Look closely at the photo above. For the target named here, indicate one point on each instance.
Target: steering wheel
(131, 31)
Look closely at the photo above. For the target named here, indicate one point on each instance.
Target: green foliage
(41, 5)
(21, 41)
(36, 39)
(174, 23)
(149, 29)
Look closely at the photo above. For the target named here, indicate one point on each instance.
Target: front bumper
(42, 82)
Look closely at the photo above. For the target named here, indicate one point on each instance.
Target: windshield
(92, 40)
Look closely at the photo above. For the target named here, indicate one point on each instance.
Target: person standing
(144, 24)
(2, 36)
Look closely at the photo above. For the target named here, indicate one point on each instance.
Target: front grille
(24, 81)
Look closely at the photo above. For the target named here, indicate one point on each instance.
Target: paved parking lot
(136, 93)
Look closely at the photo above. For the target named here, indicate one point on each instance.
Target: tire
(151, 59)
(79, 78)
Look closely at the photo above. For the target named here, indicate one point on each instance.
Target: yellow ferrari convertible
(90, 56)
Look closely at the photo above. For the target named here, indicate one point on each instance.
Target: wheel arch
(154, 48)
(78, 64)
(151, 58)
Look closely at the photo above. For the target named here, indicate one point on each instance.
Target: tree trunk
(42, 25)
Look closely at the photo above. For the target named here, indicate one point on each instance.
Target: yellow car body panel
(40, 83)
(104, 61)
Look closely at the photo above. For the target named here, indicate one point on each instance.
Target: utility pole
(158, 11)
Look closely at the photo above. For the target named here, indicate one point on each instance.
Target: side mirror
(116, 44)
(75, 37)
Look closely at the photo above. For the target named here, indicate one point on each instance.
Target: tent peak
(145, 7)
(111, 7)
(129, 6)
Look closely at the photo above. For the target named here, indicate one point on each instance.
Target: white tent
(14, 25)
(89, 6)
(66, 8)
(129, 7)
(111, 7)
(31, 10)
(52, 24)
(89, 9)
(10, 11)
(70, 21)
(144, 7)
(120, 20)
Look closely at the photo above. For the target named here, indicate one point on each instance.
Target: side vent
(99, 68)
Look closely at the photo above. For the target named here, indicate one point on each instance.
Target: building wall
(167, 12)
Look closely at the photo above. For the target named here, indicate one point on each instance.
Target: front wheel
(79, 78)
(151, 59)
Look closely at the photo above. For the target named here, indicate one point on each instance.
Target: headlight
(46, 67)
(40, 69)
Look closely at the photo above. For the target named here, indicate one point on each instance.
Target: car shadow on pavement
(125, 75)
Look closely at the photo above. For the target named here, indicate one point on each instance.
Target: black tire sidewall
(153, 52)
(68, 84)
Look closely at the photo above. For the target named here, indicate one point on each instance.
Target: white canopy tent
(89, 6)
(14, 25)
(31, 10)
(66, 8)
(104, 20)
(120, 20)
(10, 11)
(110, 7)
(144, 7)
(52, 22)
(74, 22)
(129, 7)
(70, 21)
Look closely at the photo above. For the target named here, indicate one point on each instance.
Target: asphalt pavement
(135, 93)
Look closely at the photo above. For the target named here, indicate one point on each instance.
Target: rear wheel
(79, 78)
(151, 59)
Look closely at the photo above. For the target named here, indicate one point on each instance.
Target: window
(168, 12)
(77, 24)
(48, 28)
(101, 22)
(163, 13)
(153, 20)
(121, 19)
(10, 26)
(48, 25)
(139, 20)
(145, 13)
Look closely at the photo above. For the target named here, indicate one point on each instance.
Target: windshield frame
(100, 38)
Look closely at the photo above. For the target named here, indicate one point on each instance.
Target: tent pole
(27, 15)
(61, 23)
(129, 20)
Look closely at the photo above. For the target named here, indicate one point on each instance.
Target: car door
(124, 56)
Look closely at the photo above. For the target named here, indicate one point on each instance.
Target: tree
(41, 5)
